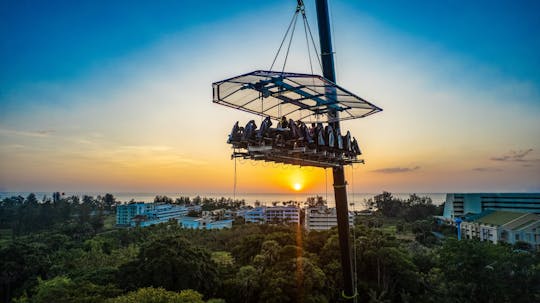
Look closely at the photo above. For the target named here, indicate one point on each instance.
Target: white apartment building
(323, 218)
(276, 214)
(283, 214)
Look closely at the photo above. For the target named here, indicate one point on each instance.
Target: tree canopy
(70, 259)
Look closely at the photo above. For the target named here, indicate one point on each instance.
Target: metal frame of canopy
(275, 94)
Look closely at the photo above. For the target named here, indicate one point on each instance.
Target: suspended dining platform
(299, 156)
(308, 98)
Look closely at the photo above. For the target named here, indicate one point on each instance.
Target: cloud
(135, 155)
(11, 147)
(395, 170)
(486, 169)
(37, 133)
(514, 156)
(146, 148)
(43, 132)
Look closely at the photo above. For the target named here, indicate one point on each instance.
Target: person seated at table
(312, 130)
(283, 123)
(306, 133)
(249, 130)
(265, 126)
(295, 131)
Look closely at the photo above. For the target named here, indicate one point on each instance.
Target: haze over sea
(250, 198)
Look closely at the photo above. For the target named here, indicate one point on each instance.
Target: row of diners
(290, 134)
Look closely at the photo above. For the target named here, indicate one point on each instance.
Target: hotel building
(323, 218)
(458, 205)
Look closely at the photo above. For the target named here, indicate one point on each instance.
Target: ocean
(356, 200)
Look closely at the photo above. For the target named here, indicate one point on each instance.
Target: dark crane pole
(340, 190)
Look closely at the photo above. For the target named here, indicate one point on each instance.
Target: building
(283, 214)
(220, 213)
(458, 205)
(126, 212)
(255, 215)
(204, 223)
(275, 214)
(525, 228)
(323, 218)
(503, 226)
(161, 213)
(146, 214)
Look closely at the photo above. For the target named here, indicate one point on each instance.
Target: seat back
(265, 126)
(339, 141)
(330, 136)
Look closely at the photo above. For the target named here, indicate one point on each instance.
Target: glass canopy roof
(302, 96)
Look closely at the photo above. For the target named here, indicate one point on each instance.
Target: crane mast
(340, 185)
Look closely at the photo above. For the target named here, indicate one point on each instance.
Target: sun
(297, 186)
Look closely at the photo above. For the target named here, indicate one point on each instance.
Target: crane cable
(235, 174)
(300, 9)
(293, 22)
(326, 183)
(290, 42)
(307, 30)
(293, 25)
(291, 28)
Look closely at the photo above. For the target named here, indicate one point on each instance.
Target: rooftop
(499, 217)
(523, 221)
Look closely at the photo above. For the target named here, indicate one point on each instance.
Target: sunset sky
(116, 95)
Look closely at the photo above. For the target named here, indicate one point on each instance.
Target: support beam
(340, 190)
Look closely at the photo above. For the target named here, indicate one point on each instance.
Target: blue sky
(503, 34)
(56, 40)
(105, 88)
(46, 41)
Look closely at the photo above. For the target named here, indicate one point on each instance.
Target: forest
(64, 249)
